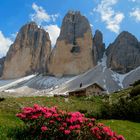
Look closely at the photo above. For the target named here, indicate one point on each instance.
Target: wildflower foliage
(52, 123)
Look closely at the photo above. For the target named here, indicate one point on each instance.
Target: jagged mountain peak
(29, 53)
(74, 25)
(124, 53)
(126, 37)
(98, 46)
(73, 52)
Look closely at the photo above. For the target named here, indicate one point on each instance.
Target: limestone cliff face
(124, 53)
(72, 54)
(98, 46)
(29, 53)
(1, 65)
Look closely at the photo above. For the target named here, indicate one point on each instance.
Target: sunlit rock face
(29, 53)
(72, 54)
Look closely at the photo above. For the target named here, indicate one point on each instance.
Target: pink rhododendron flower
(67, 124)
(44, 128)
(67, 132)
(120, 137)
(21, 116)
(113, 138)
(95, 129)
(52, 121)
(64, 124)
(48, 115)
(90, 124)
(61, 128)
(108, 131)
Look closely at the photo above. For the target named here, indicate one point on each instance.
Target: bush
(2, 99)
(136, 83)
(54, 124)
(135, 91)
(125, 109)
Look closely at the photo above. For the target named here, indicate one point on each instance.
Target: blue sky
(109, 16)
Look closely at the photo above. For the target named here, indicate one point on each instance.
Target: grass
(13, 105)
(130, 130)
(8, 121)
(10, 106)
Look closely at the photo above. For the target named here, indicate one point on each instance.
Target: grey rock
(98, 46)
(1, 65)
(124, 53)
(74, 26)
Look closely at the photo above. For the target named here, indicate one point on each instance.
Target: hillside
(90, 106)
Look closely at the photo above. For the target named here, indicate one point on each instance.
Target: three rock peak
(75, 52)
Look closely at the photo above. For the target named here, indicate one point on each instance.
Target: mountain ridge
(76, 52)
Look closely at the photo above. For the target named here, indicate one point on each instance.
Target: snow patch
(14, 83)
(103, 62)
(118, 78)
(10, 91)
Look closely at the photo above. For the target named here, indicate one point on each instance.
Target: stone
(72, 54)
(29, 53)
(124, 53)
(1, 65)
(98, 46)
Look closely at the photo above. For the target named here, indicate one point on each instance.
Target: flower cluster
(45, 123)
(103, 132)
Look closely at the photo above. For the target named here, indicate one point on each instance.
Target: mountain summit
(29, 53)
(124, 53)
(72, 54)
(76, 50)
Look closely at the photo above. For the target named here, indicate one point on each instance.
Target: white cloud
(4, 44)
(111, 18)
(54, 17)
(134, 0)
(41, 15)
(135, 14)
(54, 32)
(91, 25)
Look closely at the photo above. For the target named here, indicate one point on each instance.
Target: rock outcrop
(98, 46)
(124, 53)
(1, 65)
(72, 54)
(29, 53)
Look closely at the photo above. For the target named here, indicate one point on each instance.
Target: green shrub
(125, 109)
(84, 111)
(136, 83)
(135, 91)
(2, 99)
